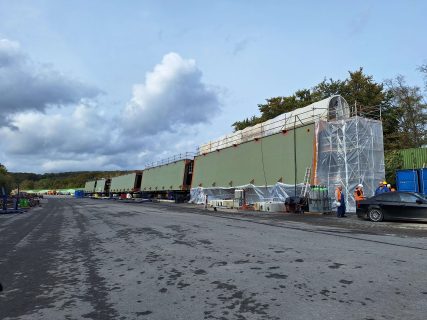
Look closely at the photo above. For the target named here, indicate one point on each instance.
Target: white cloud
(80, 131)
(26, 85)
(84, 138)
(172, 105)
(173, 95)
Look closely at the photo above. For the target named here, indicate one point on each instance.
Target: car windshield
(409, 197)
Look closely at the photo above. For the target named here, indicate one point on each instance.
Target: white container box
(275, 206)
(228, 203)
(221, 203)
(269, 206)
(260, 206)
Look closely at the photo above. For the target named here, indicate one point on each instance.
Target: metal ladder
(306, 185)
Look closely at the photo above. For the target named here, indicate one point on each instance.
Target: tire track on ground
(334, 233)
(97, 291)
(19, 229)
(25, 272)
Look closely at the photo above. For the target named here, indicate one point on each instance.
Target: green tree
(393, 161)
(328, 88)
(248, 122)
(423, 70)
(278, 105)
(408, 110)
(6, 180)
(360, 91)
(3, 169)
(27, 185)
(60, 180)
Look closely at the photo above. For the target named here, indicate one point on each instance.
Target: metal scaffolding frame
(349, 152)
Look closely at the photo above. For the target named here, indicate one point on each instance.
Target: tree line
(63, 180)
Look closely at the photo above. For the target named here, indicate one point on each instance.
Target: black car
(393, 206)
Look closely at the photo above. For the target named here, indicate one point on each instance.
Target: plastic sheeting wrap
(277, 192)
(334, 107)
(350, 152)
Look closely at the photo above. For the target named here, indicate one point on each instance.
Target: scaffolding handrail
(265, 129)
(276, 125)
(171, 159)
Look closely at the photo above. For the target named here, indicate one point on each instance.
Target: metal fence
(171, 159)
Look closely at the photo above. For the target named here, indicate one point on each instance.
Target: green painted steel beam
(90, 186)
(164, 178)
(124, 183)
(100, 185)
(259, 162)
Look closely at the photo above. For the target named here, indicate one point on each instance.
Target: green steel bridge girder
(168, 177)
(262, 161)
(100, 185)
(124, 183)
(90, 186)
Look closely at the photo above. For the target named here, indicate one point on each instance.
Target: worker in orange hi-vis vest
(358, 193)
(340, 201)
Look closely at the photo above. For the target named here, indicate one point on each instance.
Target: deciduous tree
(409, 112)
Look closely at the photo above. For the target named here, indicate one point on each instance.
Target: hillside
(61, 180)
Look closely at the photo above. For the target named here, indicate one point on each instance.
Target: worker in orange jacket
(358, 193)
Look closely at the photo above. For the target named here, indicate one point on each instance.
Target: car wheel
(375, 215)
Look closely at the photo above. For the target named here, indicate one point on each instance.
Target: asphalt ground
(101, 259)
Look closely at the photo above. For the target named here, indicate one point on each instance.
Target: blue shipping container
(423, 180)
(79, 194)
(408, 180)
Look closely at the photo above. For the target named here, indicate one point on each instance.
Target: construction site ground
(104, 259)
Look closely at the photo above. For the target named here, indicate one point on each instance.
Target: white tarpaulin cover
(277, 192)
(334, 107)
(350, 152)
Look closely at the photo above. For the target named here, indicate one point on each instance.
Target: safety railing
(171, 159)
(279, 124)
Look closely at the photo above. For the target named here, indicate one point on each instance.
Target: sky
(114, 85)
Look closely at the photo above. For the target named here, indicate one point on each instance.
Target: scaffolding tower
(350, 152)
